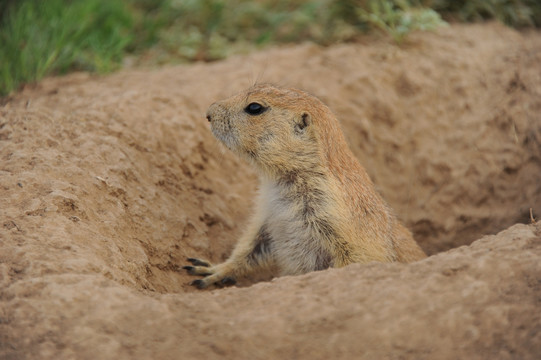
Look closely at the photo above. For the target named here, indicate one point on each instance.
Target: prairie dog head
(272, 127)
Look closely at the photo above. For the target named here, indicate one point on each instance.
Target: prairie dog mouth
(221, 129)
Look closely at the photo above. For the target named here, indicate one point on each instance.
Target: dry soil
(108, 183)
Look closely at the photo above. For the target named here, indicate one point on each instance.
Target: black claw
(189, 269)
(198, 262)
(228, 281)
(200, 284)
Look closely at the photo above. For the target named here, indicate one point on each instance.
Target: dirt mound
(108, 183)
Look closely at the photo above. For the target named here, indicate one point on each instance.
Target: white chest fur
(295, 245)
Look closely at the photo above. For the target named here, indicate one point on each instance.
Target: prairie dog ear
(303, 122)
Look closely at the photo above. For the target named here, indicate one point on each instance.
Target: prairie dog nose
(215, 111)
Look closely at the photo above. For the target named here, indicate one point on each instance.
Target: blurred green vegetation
(515, 13)
(38, 38)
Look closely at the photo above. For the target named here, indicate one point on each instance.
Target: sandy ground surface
(108, 183)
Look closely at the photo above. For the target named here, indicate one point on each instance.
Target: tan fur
(317, 207)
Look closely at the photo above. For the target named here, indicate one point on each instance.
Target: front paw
(212, 274)
(198, 262)
(199, 267)
(206, 282)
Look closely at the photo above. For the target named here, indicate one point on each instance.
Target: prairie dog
(317, 207)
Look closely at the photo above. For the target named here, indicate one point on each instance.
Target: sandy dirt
(108, 183)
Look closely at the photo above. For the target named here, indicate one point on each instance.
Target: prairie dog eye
(254, 108)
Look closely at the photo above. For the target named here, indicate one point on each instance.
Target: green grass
(44, 37)
(55, 36)
(399, 18)
(515, 13)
